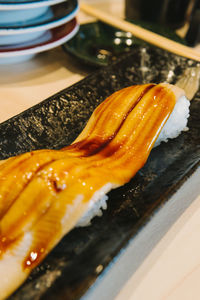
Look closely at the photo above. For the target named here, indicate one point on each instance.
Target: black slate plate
(74, 265)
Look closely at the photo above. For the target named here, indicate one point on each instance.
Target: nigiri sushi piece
(45, 193)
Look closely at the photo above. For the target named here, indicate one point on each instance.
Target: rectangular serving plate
(71, 268)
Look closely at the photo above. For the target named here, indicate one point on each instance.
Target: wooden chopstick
(144, 34)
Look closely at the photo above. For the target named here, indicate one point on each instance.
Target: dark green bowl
(99, 44)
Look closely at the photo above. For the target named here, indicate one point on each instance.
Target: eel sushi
(45, 193)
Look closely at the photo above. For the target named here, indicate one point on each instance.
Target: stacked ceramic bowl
(28, 27)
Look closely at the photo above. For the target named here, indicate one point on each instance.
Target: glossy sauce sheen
(41, 192)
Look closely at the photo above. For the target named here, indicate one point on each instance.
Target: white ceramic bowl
(50, 39)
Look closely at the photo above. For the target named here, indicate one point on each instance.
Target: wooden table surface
(171, 270)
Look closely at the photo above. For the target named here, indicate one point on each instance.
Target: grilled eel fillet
(44, 193)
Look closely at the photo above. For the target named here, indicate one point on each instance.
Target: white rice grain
(176, 123)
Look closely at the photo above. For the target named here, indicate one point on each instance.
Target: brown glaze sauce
(110, 149)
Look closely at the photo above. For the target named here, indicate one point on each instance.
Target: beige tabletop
(168, 249)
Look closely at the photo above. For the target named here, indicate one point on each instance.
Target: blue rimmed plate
(26, 4)
(28, 30)
(54, 16)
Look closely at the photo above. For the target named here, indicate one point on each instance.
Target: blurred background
(60, 66)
